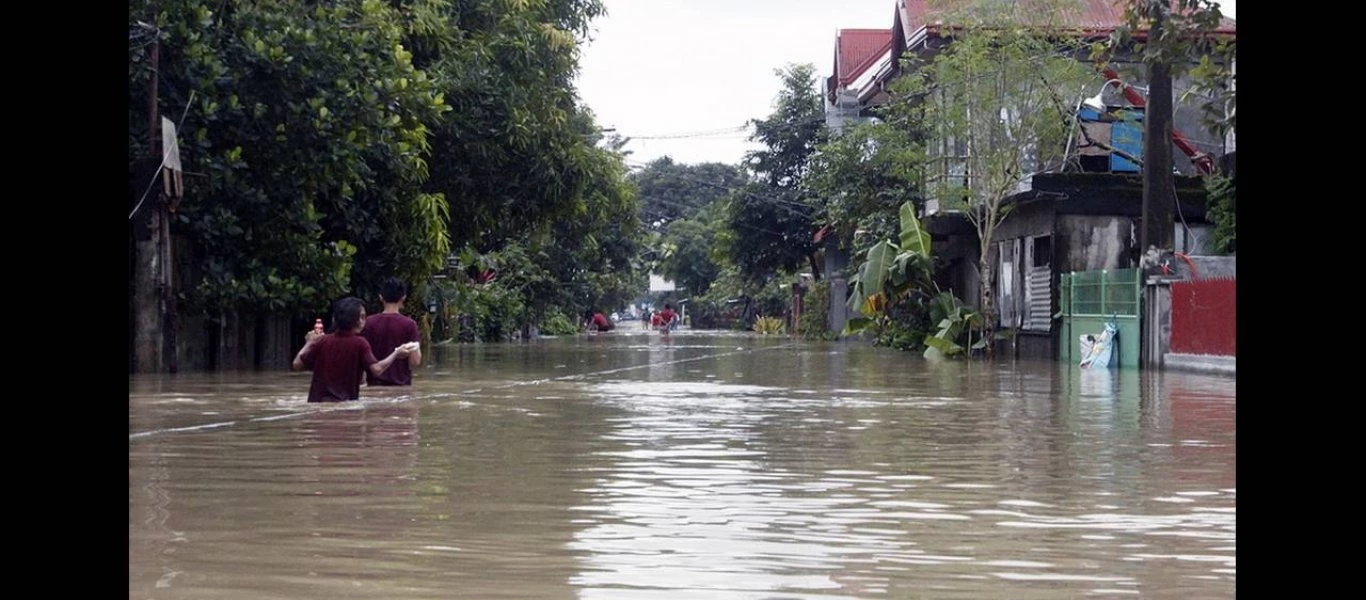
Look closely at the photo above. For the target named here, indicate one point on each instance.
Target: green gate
(1089, 300)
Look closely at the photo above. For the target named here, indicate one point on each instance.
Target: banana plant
(890, 272)
(955, 322)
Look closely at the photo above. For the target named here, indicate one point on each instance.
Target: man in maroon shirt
(597, 322)
(664, 319)
(338, 359)
(392, 329)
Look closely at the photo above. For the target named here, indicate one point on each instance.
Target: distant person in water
(596, 321)
(664, 319)
(338, 359)
(389, 330)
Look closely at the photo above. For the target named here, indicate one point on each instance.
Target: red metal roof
(857, 50)
(1099, 16)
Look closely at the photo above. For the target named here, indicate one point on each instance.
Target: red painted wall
(1204, 317)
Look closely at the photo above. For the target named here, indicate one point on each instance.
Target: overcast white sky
(692, 69)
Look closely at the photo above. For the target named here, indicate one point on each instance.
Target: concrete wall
(1091, 243)
(1216, 266)
(1157, 321)
(836, 271)
(1030, 345)
(229, 342)
(1205, 267)
(239, 341)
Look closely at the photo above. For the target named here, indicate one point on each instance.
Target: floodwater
(698, 465)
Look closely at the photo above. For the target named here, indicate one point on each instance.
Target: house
(1086, 218)
(857, 52)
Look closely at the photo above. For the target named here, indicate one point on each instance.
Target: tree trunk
(815, 266)
(988, 302)
(1159, 201)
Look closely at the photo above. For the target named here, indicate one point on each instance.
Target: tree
(864, 175)
(516, 152)
(1174, 37)
(309, 125)
(894, 290)
(686, 253)
(345, 141)
(670, 191)
(990, 101)
(771, 220)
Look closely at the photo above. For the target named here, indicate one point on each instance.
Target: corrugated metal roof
(1094, 15)
(857, 50)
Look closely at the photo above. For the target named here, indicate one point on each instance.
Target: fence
(1204, 317)
(1089, 300)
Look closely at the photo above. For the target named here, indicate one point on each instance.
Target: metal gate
(1089, 300)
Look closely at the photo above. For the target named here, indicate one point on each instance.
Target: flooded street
(698, 465)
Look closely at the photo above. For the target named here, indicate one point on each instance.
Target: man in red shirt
(391, 329)
(598, 322)
(664, 319)
(338, 359)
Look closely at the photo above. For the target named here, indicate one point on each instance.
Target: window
(1042, 251)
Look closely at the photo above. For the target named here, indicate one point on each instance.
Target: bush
(769, 326)
(486, 313)
(1223, 210)
(559, 324)
(707, 314)
(815, 312)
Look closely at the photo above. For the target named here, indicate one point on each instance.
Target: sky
(681, 77)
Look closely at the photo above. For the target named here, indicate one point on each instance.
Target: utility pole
(1159, 200)
(172, 192)
(845, 108)
(148, 340)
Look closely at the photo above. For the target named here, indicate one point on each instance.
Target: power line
(752, 194)
(745, 226)
(692, 134)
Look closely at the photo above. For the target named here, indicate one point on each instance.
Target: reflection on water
(632, 465)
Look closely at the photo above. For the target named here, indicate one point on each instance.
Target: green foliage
(890, 272)
(814, 322)
(995, 109)
(686, 254)
(1222, 198)
(497, 311)
(559, 324)
(1185, 37)
(864, 174)
(309, 125)
(769, 326)
(736, 302)
(955, 326)
(670, 191)
(774, 297)
(768, 231)
(901, 325)
(516, 152)
(894, 292)
(339, 143)
(1185, 42)
(995, 102)
(771, 221)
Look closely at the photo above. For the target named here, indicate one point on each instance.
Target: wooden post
(148, 335)
(1159, 201)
